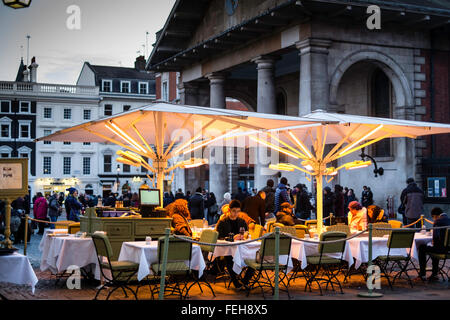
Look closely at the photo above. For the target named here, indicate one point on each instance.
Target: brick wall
(172, 86)
(158, 87)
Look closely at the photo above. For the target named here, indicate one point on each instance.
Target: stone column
(266, 103)
(188, 93)
(314, 84)
(218, 173)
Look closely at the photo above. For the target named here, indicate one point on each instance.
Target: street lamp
(118, 172)
(17, 4)
(377, 171)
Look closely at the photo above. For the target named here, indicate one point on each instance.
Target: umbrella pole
(160, 185)
(319, 202)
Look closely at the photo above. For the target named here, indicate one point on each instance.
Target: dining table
(16, 268)
(146, 253)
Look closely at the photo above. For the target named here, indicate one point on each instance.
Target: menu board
(13, 177)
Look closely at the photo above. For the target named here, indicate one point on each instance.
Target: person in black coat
(197, 205)
(440, 220)
(303, 204)
(328, 202)
(255, 207)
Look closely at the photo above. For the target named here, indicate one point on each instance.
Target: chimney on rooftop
(139, 64)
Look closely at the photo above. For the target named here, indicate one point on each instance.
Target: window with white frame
(67, 164)
(107, 85)
(125, 86)
(108, 109)
(87, 114)
(25, 152)
(47, 133)
(25, 107)
(5, 152)
(165, 91)
(86, 165)
(5, 106)
(47, 165)
(5, 128)
(178, 82)
(107, 163)
(24, 130)
(67, 114)
(143, 88)
(48, 113)
(126, 168)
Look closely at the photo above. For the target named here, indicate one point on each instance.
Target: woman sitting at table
(376, 214)
(179, 212)
(285, 215)
(357, 216)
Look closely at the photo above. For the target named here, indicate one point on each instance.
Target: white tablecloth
(300, 250)
(360, 248)
(145, 255)
(45, 241)
(59, 253)
(16, 268)
(240, 252)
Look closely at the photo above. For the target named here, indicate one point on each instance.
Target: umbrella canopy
(348, 133)
(162, 131)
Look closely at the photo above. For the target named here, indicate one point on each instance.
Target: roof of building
(22, 68)
(121, 72)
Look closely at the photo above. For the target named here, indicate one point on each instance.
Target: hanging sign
(13, 178)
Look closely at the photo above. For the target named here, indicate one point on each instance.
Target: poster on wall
(437, 187)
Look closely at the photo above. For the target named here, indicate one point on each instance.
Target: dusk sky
(112, 33)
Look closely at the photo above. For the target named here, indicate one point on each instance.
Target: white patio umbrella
(154, 132)
(349, 133)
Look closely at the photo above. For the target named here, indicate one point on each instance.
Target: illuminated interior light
(361, 139)
(281, 167)
(125, 161)
(357, 165)
(124, 136)
(210, 141)
(302, 146)
(275, 148)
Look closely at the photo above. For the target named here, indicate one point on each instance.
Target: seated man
(357, 216)
(376, 214)
(231, 224)
(226, 212)
(440, 220)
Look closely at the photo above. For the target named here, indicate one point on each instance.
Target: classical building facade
(294, 57)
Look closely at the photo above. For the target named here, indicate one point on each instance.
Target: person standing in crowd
(366, 197)
(328, 204)
(74, 205)
(110, 201)
(197, 205)
(213, 209)
(179, 194)
(40, 208)
(350, 197)
(188, 196)
(281, 195)
(18, 211)
(440, 220)
(226, 199)
(167, 199)
(54, 209)
(270, 197)
(357, 216)
(240, 196)
(339, 202)
(255, 207)
(231, 226)
(303, 205)
(412, 198)
(346, 202)
(135, 200)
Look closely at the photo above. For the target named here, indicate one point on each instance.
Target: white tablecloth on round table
(240, 252)
(300, 250)
(59, 253)
(45, 238)
(360, 248)
(16, 268)
(145, 255)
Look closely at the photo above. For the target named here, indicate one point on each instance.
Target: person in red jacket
(40, 208)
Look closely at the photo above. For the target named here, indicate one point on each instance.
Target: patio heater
(17, 4)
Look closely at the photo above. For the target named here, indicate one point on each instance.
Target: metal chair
(121, 272)
(207, 236)
(401, 238)
(444, 256)
(340, 228)
(300, 230)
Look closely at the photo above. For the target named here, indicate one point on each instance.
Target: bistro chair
(376, 232)
(443, 256)
(289, 230)
(269, 225)
(340, 228)
(120, 272)
(179, 252)
(74, 228)
(266, 263)
(257, 232)
(197, 223)
(300, 230)
(398, 239)
(208, 236)
(311, 224)
(395, 224)
(331, 266)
